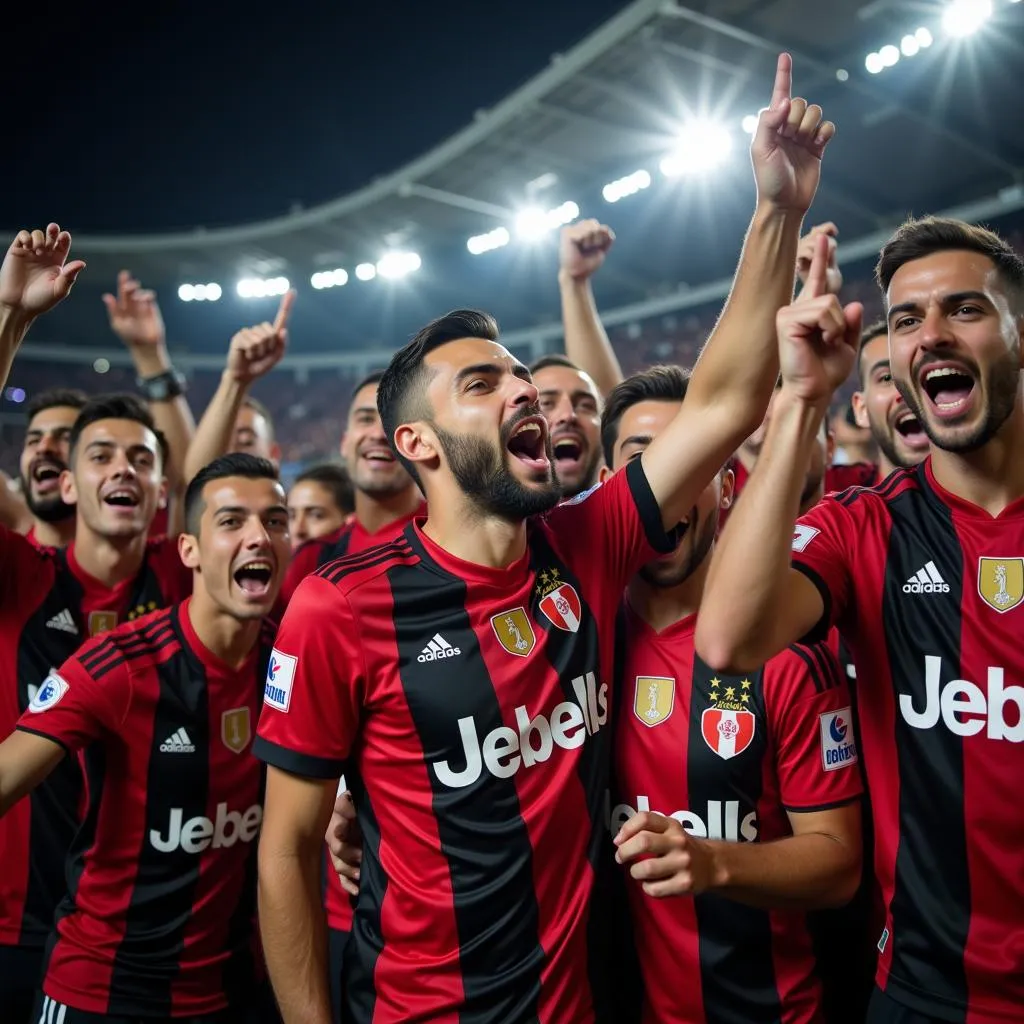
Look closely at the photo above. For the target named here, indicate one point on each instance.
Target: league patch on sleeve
(49, 693)
(582, 496)
(280, 676)
(838, 749)
(803, 535)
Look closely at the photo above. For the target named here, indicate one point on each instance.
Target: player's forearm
(294, 934)
(586, 342)
(740, 362)
(804, 872)
(14, 326)
(746, 585)
(213, 435)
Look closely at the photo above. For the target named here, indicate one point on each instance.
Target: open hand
(35, 274)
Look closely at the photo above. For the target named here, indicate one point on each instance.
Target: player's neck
(374, 513)
(54, 535)
(225, 637)
(885, 467)
(991, 477)
(464, 533)
(662, 607)
(110, 560)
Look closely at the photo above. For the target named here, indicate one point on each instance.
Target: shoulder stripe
(820, 668)
(397, 551)
(895, 480)
(154, 637)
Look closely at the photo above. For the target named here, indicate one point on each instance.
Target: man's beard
(482, 472)
(669, 575)
(885, 438)
(588, 479)
(1002, 383)
(51, 509)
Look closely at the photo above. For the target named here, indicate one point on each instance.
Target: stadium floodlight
(187, 292)
(394, 265)
(200, 292)
(627, 186)
(260, 288)
(213, 292)
(366, 271)
(101, 365)
(963, 18)
(15, 395)
(533, 223)
(702, 146)
(889, 55)
(479, 244)
(842, 75)
(909, 46)
(873, 64)
(329, 278)
(749, 123)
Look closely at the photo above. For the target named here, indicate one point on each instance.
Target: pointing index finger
(783, 89)
(817, 276)
(284, 310)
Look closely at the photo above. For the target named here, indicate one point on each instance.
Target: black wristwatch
(163, 387)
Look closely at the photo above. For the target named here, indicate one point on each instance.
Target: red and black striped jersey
(727, 757)
(48, 607)
(469, 709)
(928, 592)
(158, 919)
(348, 539)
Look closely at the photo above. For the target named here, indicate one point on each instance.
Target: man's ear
(188, 550)
(603, 473)
(417, 442)
(728, 489)
(68, 491)
(860, 412)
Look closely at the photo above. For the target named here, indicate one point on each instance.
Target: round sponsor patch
(49, 693)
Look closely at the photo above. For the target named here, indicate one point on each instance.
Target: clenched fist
(583, 248)
(255, 351)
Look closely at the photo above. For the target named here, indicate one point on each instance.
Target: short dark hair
(53, 398)
(655, 384)
(402, 386)
(117, 406)
(335, 479)
(868, 335)
(370, 378)
(915, 239)
(252, 467)
(261, 410)
(554, 359)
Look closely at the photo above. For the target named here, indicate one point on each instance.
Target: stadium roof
(923, 135)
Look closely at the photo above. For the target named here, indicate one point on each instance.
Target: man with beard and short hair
(44, 457)
(386, 498)
(571, 404)
(924, 577)
(466, 667)
(750, 823)
(879, 406)
(50, 602)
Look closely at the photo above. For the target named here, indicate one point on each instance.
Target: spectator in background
(44, 457)
(319, 502)
(854, 443)
(254, 431)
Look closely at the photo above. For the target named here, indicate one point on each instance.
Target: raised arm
(253, 353)
(34, 277)
(754, 603)
(735, 375)
(582, 250)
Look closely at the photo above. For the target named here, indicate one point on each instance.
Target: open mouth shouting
(949, 388)
(45, 475)
(254, 577)
(529, 443)
(569, 448)
(123, 500)
(910, 430)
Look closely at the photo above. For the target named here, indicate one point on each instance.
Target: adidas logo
(437, 649)
(177, 743)
(926, 581)
(64, 622)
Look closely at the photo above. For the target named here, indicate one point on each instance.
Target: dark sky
(167, 115)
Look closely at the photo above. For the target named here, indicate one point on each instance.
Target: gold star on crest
(730, 693)
(745, 697)
(714, 695)
(715, 682)
(745, 684)
(543, 578)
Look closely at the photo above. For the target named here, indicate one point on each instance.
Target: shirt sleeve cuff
(663, 541)
(70, 751)
(307, 765)
(820, 630)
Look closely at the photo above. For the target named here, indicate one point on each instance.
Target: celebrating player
(319, 502)
(413, 658)
(924, 576)
(158, 921)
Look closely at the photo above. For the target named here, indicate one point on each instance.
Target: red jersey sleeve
(25, 570)
(304, 561)
(615, 526)
(820, 552)
(808, 707)
(174, 576)
(72, 706)
(315, 685)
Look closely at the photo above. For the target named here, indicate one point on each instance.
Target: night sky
(162, 116)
